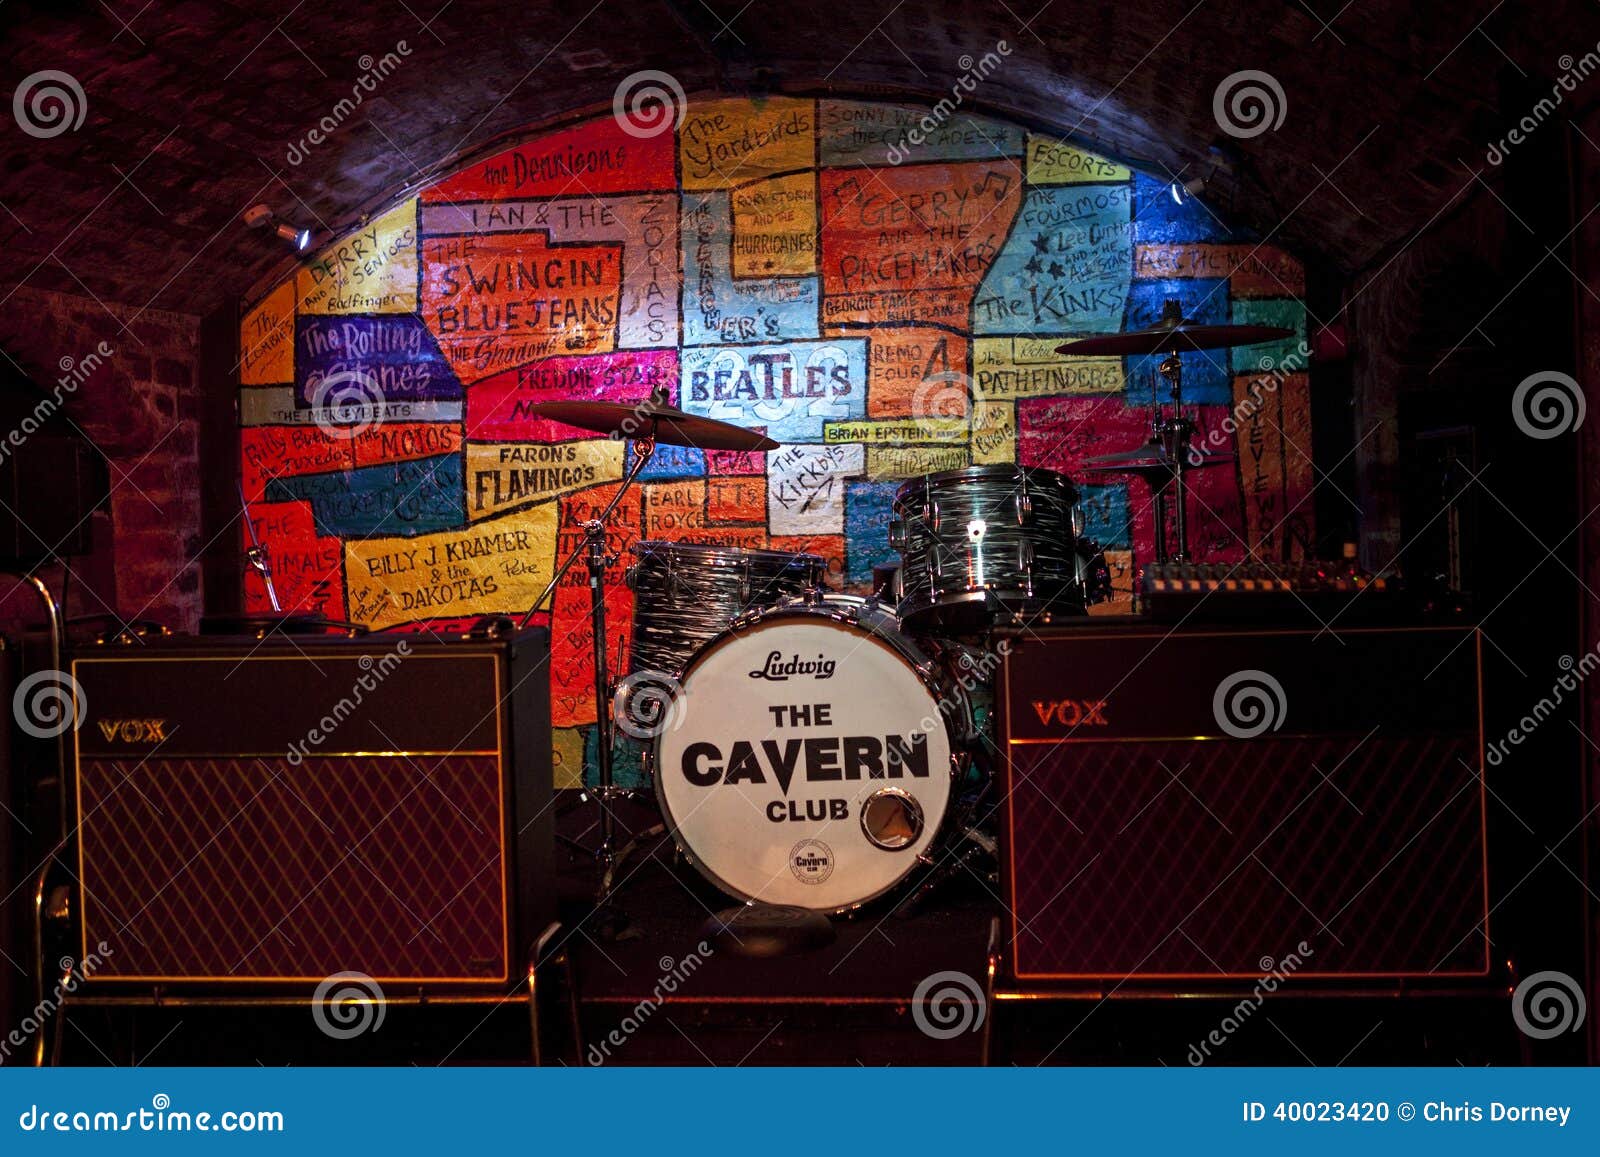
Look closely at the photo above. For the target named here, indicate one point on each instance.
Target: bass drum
(810, 756)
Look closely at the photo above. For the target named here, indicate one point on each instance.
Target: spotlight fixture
(1182, 191)
(1217, 161)
(262, 217)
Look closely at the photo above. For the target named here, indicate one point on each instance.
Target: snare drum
(986, 544)
(811, 755)
(686, 594)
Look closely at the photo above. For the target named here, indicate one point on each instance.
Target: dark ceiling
(192, 107)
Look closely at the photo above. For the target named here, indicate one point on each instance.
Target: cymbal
(670, 425)
(1138, 453)
(1174, 332)
(1146, 459)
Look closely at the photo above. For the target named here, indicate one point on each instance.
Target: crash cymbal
(1148, 458)
(1151, 450)
(1184, 337)
(671, 426)
(1173, 332)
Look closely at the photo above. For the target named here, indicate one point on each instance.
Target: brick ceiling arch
(193, 108)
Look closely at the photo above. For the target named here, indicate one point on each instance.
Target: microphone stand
(593, 547)
(256, 554)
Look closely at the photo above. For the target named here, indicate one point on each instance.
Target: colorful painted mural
(884, 308)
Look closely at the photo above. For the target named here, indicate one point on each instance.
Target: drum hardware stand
(1173, 436)
(593, 550)
(976, 847)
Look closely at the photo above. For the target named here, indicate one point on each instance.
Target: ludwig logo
(133, 730)
(779, 669)
(1072, 712)
(811, 861)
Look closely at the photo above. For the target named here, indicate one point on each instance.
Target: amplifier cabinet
(279, 811)
(1195, 806)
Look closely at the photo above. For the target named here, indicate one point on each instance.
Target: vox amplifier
(1200, 805)
(257, 811)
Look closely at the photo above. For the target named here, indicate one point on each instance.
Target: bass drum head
(806, 763)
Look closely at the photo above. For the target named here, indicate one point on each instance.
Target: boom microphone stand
(593, 548)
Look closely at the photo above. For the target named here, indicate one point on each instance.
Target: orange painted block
(913, 243)
(501, 300)
(1252, 270)
(830, 546)
(405, 441)
(916, 371)
(622, 530)
(742, 498)
(675, 510)
(1272, 437)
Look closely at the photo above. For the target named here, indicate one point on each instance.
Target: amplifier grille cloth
(241, 868)
(1192, 858)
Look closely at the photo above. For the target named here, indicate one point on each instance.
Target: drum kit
(816, 750)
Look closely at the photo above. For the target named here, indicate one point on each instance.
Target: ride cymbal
(669, 425)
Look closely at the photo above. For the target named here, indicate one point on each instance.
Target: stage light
(262, 217)
(1181, 192)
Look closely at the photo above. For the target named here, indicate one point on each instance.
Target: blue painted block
(1279, 311)
(717, 307)
(789, 389)
(627, 759)
(1159, 220)
(1105, 512)
(866, 528)
(1206, 376)
(670, 462)
(395, 498)
(369, 359)
(1065, 266)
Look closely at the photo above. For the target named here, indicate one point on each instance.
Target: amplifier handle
(58, 641)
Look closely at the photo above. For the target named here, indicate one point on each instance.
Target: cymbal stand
(593, 550)
(1173, 434)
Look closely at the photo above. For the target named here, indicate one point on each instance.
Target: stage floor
(648, 994)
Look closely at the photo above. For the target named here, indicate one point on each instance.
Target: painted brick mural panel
(884, 299)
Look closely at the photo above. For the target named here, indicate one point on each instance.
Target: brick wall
(141, 409)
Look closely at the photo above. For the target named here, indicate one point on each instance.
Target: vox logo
(1071, 712)
(133, 730)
